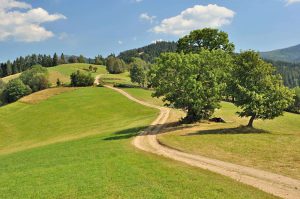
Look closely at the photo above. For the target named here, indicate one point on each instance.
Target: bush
(295, 108)
(15, 90)
(126, 86)
(36, 78)
(115, 65)
(79, 79)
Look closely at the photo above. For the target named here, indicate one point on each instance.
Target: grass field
(273, 145)
(82, 149)
(122, 78)
(64, 71)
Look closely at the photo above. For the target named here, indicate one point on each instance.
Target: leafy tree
(99, 60)
(36, 78)
(115, 65)
(95, 69)
(207, 38)
(55, 60)
(90, 68)
(79, 79)
(72, 59)
(138, 72)
(15, 90)
(257, 90)
(192, 82)
(295, 108)
(81, 59)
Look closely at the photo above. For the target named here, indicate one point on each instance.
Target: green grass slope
(273, 146)
(100, 162)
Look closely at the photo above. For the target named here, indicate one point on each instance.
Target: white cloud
(146, 17)
(138, 1)
(21, 22)
(289, 2)
(197, 17)
(120, 42)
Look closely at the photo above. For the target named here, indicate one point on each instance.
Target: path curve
(275, 184)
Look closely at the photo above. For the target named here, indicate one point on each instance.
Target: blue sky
(94, 27)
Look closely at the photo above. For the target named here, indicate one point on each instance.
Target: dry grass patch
(54, 75)
(44, 94)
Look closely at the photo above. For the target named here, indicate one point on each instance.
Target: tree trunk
(250, 124)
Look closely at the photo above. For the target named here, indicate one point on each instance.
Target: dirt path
(275, 184)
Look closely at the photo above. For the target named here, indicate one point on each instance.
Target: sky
(93, 27)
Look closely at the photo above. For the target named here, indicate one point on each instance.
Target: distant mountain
(291, 54)
(150, 52)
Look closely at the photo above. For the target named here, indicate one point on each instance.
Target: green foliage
(2, 87)
(257, 90)
(15, 90)
(138, 71)
(58, 82)
(55, 60)
(36, 78)
(115, 65)
(62, 59)
(80, 79)
(192, 82)
(290, 72)
(73, 60)
(295, 108)
(207, 38)
(81, 59)
(148, 53)
(99, 60)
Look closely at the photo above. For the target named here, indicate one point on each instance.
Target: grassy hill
(273, 146)
(291, 54)
(77, 144)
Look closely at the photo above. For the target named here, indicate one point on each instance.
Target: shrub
(36, 78)
(115, 65)
(79, 79)
(15, 90)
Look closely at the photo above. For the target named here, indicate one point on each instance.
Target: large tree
(258, 91)
(192, 82)
(138, 71)
(207, 38)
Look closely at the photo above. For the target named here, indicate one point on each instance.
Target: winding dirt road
(275, 184)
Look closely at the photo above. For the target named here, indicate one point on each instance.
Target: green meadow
(78, 145)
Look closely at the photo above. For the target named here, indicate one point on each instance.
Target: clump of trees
(115, 65)
(205, 69)
(79, 79)
(32, 80)
(36, 78)
(14, 90)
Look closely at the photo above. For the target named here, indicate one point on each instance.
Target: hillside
(53, 150)
(291, 54)
(150, 52)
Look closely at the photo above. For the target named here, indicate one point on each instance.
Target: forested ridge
(150, 52)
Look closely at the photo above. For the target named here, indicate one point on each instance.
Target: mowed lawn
(273, 146)
(88, 153)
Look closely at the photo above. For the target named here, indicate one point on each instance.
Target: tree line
(21, 64)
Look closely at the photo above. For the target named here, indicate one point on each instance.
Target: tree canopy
(192, 82)
(207, 38)
(138, 71)
(115, 65)
(15, 90)
(258, 91)
(36, 78)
